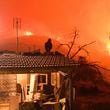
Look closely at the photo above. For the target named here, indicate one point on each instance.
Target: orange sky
(57, 18)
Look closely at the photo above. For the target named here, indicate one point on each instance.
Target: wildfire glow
(58, 38)
(28, 33)
(108, 48)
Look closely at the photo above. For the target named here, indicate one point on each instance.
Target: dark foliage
(88, 79)
(88, 91)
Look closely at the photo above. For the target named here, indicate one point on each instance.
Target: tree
(70, 45)
(87, 76)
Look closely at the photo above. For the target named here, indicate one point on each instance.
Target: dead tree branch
(80, 48)
(74, 38)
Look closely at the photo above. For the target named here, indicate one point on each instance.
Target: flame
(28, 33)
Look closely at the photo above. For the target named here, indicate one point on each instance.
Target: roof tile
(20, 61)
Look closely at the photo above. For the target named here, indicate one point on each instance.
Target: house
(31, 74)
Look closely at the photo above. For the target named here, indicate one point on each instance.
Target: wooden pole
(70, 92)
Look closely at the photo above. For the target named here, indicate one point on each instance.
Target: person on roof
(48, 45)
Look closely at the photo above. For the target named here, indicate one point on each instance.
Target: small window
(42, 78)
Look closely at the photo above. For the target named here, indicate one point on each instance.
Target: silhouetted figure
(48, 45)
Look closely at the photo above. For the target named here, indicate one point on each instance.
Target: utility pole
(17, 26)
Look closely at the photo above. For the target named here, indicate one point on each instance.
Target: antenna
(17, 26)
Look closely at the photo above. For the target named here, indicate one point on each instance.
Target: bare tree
(85, 71)
(70, 44)
(75, 35)
(81, 48)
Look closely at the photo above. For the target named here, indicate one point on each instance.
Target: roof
(12, 63)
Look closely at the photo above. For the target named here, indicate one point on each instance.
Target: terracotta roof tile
(9, 61)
